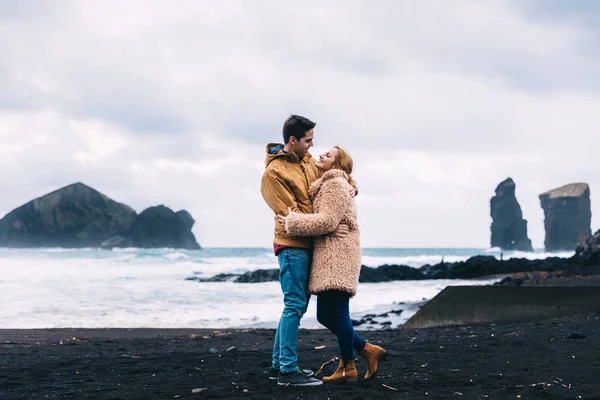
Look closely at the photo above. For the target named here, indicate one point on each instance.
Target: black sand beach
(547, 359)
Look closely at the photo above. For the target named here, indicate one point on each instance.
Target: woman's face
(327, 159)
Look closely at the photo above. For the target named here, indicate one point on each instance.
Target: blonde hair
(344, 162)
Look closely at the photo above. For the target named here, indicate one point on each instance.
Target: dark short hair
(297, 127)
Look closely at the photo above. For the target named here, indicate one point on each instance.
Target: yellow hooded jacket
(284, 184)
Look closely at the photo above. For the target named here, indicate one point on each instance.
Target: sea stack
(78, 216)
(509, 229)
(567, 216)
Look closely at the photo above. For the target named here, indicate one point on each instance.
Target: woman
(336, 260)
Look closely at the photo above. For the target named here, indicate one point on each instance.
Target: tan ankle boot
(372, 355)
(344, 373)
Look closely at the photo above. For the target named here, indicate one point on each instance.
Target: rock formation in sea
(567, 216)
(509, 229)
(78, 216)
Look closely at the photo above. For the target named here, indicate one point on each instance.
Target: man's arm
(277, 193)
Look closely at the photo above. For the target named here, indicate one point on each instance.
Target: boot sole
(384, 356)
(344, 381)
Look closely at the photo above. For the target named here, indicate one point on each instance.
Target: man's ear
(293, 140)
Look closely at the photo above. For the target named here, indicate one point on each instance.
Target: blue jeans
(334, 313)
(294, 264)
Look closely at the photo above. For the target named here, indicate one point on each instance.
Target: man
(290, 169)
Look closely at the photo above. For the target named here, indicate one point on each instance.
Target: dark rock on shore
(510, 281)
(79, 216)
(369, 319)
(588, 253)
(258, 276)
(216, 278)
(474, 267)
(567, 216)
(509, 229)
(384, 273)
(261, 275)
(486, 266)
(387, 273)
(482, 266)
(436, 271)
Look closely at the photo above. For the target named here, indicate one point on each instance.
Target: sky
(172, 102)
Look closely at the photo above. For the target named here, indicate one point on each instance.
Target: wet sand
(547, 359)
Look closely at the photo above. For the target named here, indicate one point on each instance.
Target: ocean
(147, 288)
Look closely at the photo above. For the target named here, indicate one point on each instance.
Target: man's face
(302, 146)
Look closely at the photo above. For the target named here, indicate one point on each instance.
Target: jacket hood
(275, 150)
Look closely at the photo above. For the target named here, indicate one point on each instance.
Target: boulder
(260, 275)
(588, 253)
(388, 273)
(216, 278)
(567, 216)
(436, 271)
(509, 229)
(474, 267)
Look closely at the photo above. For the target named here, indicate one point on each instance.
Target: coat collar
(331, 174)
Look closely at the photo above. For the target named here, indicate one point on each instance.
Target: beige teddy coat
(336, 261)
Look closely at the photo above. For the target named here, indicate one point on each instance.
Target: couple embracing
(317, 245)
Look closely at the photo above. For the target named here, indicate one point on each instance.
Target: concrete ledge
(473, 305)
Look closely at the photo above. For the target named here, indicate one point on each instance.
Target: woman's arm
(335, 202)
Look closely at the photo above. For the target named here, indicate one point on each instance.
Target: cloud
(156, 102)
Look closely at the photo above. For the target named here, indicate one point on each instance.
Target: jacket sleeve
(335, 202)
(277, 193)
